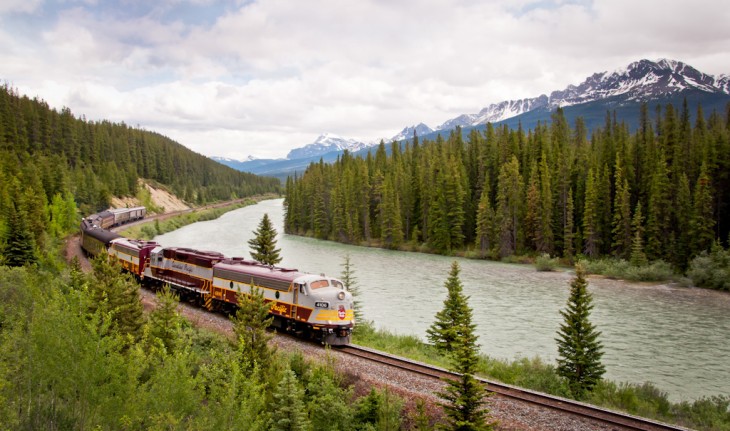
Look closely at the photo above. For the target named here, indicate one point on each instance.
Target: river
(677, 338)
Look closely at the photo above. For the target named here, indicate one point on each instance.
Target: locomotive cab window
(338, 284)
(319, 284)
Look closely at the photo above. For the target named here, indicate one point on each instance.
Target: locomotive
(314, 306)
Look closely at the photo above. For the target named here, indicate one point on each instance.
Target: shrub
(657, 270)
(546, 263)
(711, 270)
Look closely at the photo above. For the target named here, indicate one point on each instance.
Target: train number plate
(322, 304)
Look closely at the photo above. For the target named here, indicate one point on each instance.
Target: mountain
(641, 81)
(407, 133)
(325, 143)
(621, 91)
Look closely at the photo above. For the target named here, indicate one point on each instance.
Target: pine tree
(115, 294)
(568, 233)
(579, 350)
(263, 245)
(350, 281)
(486, 230)
(289, 412)
(590, 217)
(621, 214)
(453, 333)
(454, 320)
(249, 324)
(19, 247)
(164, 321)
(703, 222)
(509, 201)
(638, 257)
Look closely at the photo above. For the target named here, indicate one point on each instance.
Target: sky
(259, 78)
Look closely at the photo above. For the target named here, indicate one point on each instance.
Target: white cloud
(266, 77)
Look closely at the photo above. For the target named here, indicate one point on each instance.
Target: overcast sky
(259, 78)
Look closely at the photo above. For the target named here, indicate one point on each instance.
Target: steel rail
(611, 417)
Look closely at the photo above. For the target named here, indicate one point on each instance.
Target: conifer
(263, 245)
(453, 333)
(579, 350)
(638, 257)
(19, 247)
(249, 324)
(288, 410)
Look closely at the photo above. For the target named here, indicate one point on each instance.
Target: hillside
(55, 166)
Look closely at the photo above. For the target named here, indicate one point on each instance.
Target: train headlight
(341, 295)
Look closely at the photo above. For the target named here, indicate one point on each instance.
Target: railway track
(610, 417)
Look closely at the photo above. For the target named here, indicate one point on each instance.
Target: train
(309, 305)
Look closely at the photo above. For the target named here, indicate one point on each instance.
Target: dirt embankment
(160, 198)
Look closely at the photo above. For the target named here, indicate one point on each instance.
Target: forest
(54, 166)
(661, 193)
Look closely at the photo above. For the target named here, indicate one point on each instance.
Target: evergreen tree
(19, 247)
(568, 233)
(350, 281)
(288, 409)
(115, 294)
(509, 201)
(453, 322)
(590, 217)
(453, 332)
(579, 349)
(638, 257)
(263, 245)
(621, 214)
(486, 230)
(164, 321)
(703, 222)
(249, 324)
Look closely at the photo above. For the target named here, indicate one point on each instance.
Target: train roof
(253, 268)
(121, 210)
(135, 243)
(102, 235)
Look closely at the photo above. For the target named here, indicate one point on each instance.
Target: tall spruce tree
(453, 322)
(249, 324)
(350, 281)
(263, 245)
(19, 247)
(289, 410)
(579, 349)
(453, 333)
(115, 294)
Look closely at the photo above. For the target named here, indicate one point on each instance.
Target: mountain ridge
(640, 81)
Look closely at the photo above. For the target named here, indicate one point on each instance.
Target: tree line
(660, 193)
(54, 165)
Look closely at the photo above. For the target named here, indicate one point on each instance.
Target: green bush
(711, 270)
(546, 263)
(657, 270)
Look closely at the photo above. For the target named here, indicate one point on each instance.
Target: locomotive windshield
(338, 284)
(319, 284)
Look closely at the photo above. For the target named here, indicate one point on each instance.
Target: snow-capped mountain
(228, 160)
(325, 143)
(639, 81)
(407, 133)
(621, 91)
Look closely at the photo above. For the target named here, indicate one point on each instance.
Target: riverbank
(645, 400)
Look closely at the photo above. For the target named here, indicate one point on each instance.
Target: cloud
(262, 78)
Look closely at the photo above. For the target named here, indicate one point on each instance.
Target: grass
(707, 413)
(657, 270)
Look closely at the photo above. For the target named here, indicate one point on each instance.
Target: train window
(319, 284)
(338, 284)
